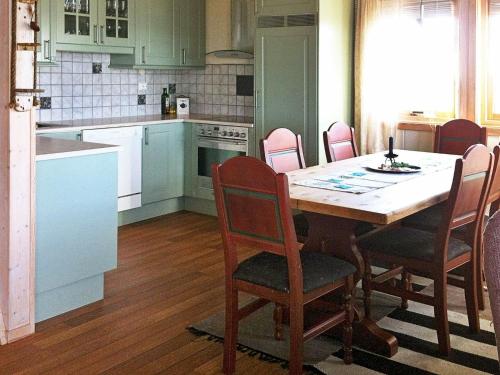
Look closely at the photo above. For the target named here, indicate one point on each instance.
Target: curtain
(406, 60)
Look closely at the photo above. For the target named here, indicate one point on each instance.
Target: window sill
(430, 127)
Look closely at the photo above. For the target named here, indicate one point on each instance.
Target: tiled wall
(76, 92)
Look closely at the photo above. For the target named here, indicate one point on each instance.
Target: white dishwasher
(129, 161)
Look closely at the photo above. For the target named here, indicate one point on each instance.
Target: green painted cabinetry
(162, 162)
(286, 62)
(95, 25)
(169, 33)
(285, 7)
(46, 53)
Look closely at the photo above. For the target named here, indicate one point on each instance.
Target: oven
(214, 145)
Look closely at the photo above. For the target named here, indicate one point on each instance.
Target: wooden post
(17, 159)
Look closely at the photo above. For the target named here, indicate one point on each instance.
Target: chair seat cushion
(410, 243)
(430, 219)
(271, 270)
(301, 225)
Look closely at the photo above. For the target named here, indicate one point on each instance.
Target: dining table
(338, 197)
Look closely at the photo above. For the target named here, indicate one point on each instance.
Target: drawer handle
(183, 56)
(102, 34)
(144, 54)
(146, 136)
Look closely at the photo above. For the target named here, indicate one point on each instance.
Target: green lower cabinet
(162, 162)
(72, 136)
(286, 7)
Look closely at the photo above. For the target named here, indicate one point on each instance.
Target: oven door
(216, 151)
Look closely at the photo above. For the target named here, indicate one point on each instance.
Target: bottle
(173, 105)
(165, 102)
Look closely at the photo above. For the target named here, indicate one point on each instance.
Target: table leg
(337, 235)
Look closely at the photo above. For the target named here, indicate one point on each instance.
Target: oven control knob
(243, 135)
(231, 134)
(224, 133)
(202, 131)
(209, 132)
(237, 134)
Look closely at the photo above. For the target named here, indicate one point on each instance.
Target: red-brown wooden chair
(434, 255)
(282, 151)
(254, 211)
(456, 136)
(431, 218)
(339, 142)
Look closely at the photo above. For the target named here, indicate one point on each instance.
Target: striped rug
(418, 349)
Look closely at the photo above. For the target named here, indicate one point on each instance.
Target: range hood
(242, 31)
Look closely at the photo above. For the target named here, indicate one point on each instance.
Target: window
(413, 49)
(492, 57)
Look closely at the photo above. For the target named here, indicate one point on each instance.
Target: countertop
(52, 148)
(77, 125)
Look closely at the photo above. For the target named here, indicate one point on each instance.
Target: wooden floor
(170, 274)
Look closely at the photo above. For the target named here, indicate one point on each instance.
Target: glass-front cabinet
(96, 23)
(46, 52)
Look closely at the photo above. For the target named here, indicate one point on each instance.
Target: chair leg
(296, 338)
(367, 289)
(278, 322)
(231, 329)
(406, 281)
(441, 314)
(471, 294)
(348, 320)
(480, 277)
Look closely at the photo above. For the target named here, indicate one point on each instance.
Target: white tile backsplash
(77, 93)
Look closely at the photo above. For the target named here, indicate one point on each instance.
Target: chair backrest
(282, 150)
(467, 199)
(253, 206)
(339, 142)
(494, 195)
(456, 136)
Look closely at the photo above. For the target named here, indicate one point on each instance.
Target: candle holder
(391, 156)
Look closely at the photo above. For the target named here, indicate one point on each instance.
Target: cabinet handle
(183, 56)
(95, 34)
(146, 136)
(257, 92)
(79, 137)
(102, 34)
(144, 54)
(46, 49)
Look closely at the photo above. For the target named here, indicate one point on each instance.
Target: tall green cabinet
(286, 83)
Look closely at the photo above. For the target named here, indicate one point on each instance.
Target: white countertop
(114, 122)
(52, 148)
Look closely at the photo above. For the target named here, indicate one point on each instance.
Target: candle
(391, 145)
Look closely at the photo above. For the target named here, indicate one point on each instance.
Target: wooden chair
(339, 142)
(431, 218)
(254, 211)
(282, 151)
(434, 255)
(456, 136)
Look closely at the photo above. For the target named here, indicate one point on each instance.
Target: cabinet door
(192, 32)
(162, 163)
(46, 53)
(286, 84)
(77, 21)
(160, 38)
(284, 7)
(117, 23)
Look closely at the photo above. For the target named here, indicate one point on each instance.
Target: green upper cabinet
(162, 162)
(287, 97)
(95, 25)
(285, 7)
(192, 32)
(46, 53)
(159, 33)
(169, 33)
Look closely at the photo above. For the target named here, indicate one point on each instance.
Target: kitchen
(112, 247)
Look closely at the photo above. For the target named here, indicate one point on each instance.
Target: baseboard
(201, 206)
(150, 211)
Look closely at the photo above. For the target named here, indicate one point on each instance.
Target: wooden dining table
(334, 216)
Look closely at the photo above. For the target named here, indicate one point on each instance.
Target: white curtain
(403, 63)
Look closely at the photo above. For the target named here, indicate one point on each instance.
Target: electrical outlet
(142, 86)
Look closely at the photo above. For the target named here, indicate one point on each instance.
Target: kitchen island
(76, 216)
